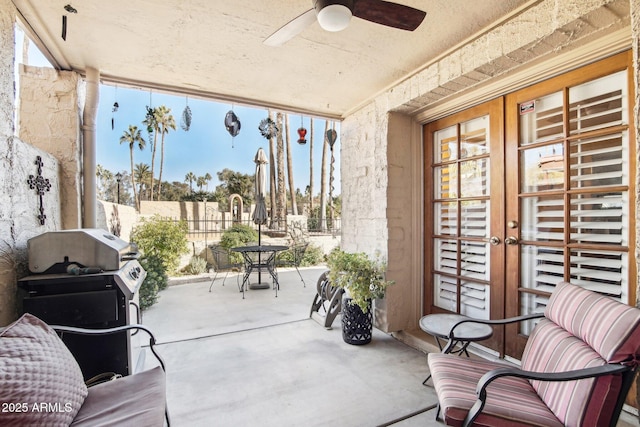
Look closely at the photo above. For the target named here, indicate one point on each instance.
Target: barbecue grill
(87, 278)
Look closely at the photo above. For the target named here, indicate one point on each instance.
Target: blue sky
(207, 147)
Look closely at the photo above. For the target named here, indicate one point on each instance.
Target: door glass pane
(600, 271)
(474, 218)
(446, 181)
(542, 268)
(446, 218)
(598, 104)
(475, 178)
(599, 218)
(541, 119)
(445, 292)
(542, 168)
(599, 161)
(445, 145)
(446, 260)
(474, 258)
(474, 300)
(473, 137)
(542, 218)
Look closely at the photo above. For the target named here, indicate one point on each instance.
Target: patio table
(259, 258)
(439, 326)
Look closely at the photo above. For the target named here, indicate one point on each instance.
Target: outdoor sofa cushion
(40, 381)
(136, 400)
(42, 384)
(581, 329)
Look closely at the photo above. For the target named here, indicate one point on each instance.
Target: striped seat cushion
(608, 326)
(582, 329)
(510, 401)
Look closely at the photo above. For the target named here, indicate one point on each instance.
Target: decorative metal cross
(41, 185)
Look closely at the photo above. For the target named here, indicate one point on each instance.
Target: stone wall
(117, 219)
(49, 119)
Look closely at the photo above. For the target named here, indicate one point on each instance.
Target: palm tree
(200, 182)
(282, 188)
(292, 189)
(190, 177)
(143, 176)
(166, 122)
(152, 127)
(272, 181)
(133, 136)
(207, 177)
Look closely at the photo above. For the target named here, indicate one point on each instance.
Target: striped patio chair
(577, 367)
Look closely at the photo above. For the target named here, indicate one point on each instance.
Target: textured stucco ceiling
(214, 48)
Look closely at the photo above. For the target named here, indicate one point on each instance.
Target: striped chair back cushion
(582, 329)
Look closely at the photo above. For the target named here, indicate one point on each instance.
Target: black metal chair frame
(61, 330)
(222, 263)
(298, 250)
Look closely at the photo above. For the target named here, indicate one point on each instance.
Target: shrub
(196, 265)
(164, 239)
(156, 280)
(237, 235)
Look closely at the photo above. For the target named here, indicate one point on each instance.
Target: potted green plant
(363, 280)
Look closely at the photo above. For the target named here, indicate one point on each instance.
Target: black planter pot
(356, 325)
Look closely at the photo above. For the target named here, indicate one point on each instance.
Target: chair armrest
(495, 322)
(84, 331)
(486, 379)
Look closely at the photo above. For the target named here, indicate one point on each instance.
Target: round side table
(439, 326)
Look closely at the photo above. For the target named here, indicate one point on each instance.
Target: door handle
(511, 240)
(494, 240)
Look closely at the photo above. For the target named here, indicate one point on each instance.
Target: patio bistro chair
(577, 367)
(223, 262)
(297, 250)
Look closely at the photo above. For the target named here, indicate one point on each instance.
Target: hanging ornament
(332, 135)
(268, 128)
(185, 124)
(114, 109)
(302, 132)
(232, 123)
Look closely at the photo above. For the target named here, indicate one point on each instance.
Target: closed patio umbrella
(260, 215)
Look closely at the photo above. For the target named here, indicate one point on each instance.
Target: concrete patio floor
(263, 361)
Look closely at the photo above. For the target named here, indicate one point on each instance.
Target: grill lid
(55, 251)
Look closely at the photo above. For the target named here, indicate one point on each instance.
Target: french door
(529, 190)
(465, 199)
(570, 189)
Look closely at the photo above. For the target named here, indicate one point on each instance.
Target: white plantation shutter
(461, 218)
(592, 250)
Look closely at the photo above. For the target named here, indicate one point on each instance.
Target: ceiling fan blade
(291, 29)
(390, 14)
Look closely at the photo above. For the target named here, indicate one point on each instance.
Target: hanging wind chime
(302, 133)
(268, 128)
(114, 109)
(185, 123)
(232, 124)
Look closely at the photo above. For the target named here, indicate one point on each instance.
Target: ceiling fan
(334, 15)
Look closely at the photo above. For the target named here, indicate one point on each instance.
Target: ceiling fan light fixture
(335, 17)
